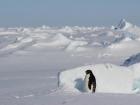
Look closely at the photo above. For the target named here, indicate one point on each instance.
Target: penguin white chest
(86, 82)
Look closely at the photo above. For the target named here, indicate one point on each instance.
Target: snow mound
(109, 78)
(58, 40)
(132, 60)
(124, 25)
(77, 46)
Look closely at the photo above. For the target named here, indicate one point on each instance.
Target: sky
(68, 12)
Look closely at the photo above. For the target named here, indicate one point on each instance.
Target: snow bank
(109, 78)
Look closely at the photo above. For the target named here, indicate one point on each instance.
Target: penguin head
(88, 72)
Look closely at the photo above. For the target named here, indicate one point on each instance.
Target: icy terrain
(132, 60)
(109, 79)
(31, 59)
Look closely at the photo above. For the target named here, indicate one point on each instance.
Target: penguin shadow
(79, 84)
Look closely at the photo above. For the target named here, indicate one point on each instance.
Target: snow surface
(109, 78)
(32, 57)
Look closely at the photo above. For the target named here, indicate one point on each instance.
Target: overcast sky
(68, 12)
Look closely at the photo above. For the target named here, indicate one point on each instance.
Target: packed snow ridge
(109, 79)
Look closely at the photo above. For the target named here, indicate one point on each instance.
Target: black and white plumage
(89, 82)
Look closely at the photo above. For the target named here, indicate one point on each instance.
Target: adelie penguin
(89, 82)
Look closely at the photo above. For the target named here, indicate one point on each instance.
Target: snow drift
(109, 78)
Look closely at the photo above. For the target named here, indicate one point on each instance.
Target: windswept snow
(31, 58)
(69, 39)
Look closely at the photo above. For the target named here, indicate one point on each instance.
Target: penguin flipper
(93, 87)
